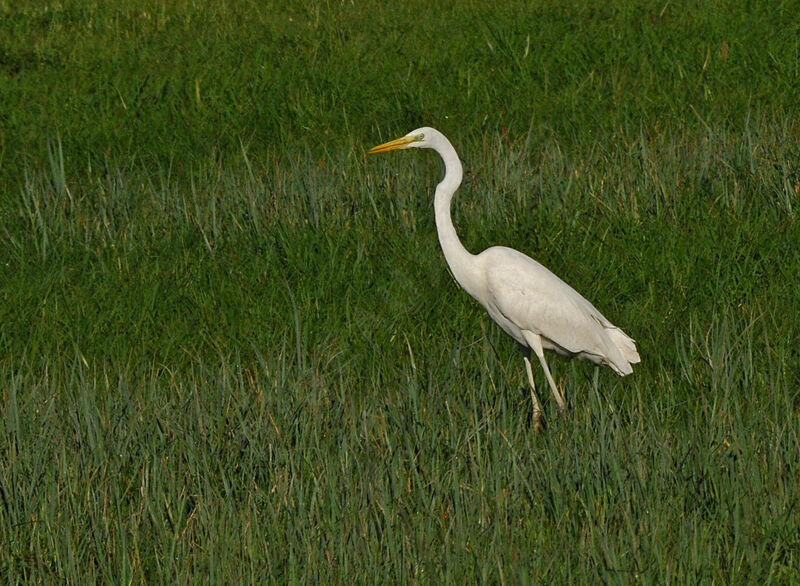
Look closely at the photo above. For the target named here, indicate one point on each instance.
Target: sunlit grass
(232, 348)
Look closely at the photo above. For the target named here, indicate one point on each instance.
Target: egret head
(419, 138)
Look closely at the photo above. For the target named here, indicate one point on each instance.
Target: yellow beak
(397, 143)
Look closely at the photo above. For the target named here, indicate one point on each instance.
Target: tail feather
(627, 348)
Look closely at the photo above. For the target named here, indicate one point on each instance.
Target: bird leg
(537, 408)
(535, 341)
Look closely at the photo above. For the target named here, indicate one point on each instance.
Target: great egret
(530, 303)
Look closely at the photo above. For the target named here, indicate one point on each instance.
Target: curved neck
(458, 258)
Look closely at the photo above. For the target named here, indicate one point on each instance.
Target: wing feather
(525, 295)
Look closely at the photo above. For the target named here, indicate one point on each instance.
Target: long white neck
(459, 259)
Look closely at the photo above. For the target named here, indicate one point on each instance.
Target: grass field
(231, 348)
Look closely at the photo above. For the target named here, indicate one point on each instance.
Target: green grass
(232, 351)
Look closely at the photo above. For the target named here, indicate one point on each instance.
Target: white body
(522, 295)
(530, 303)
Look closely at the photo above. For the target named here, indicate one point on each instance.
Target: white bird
(530, 303)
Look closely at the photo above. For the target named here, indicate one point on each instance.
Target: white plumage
(530, 303)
